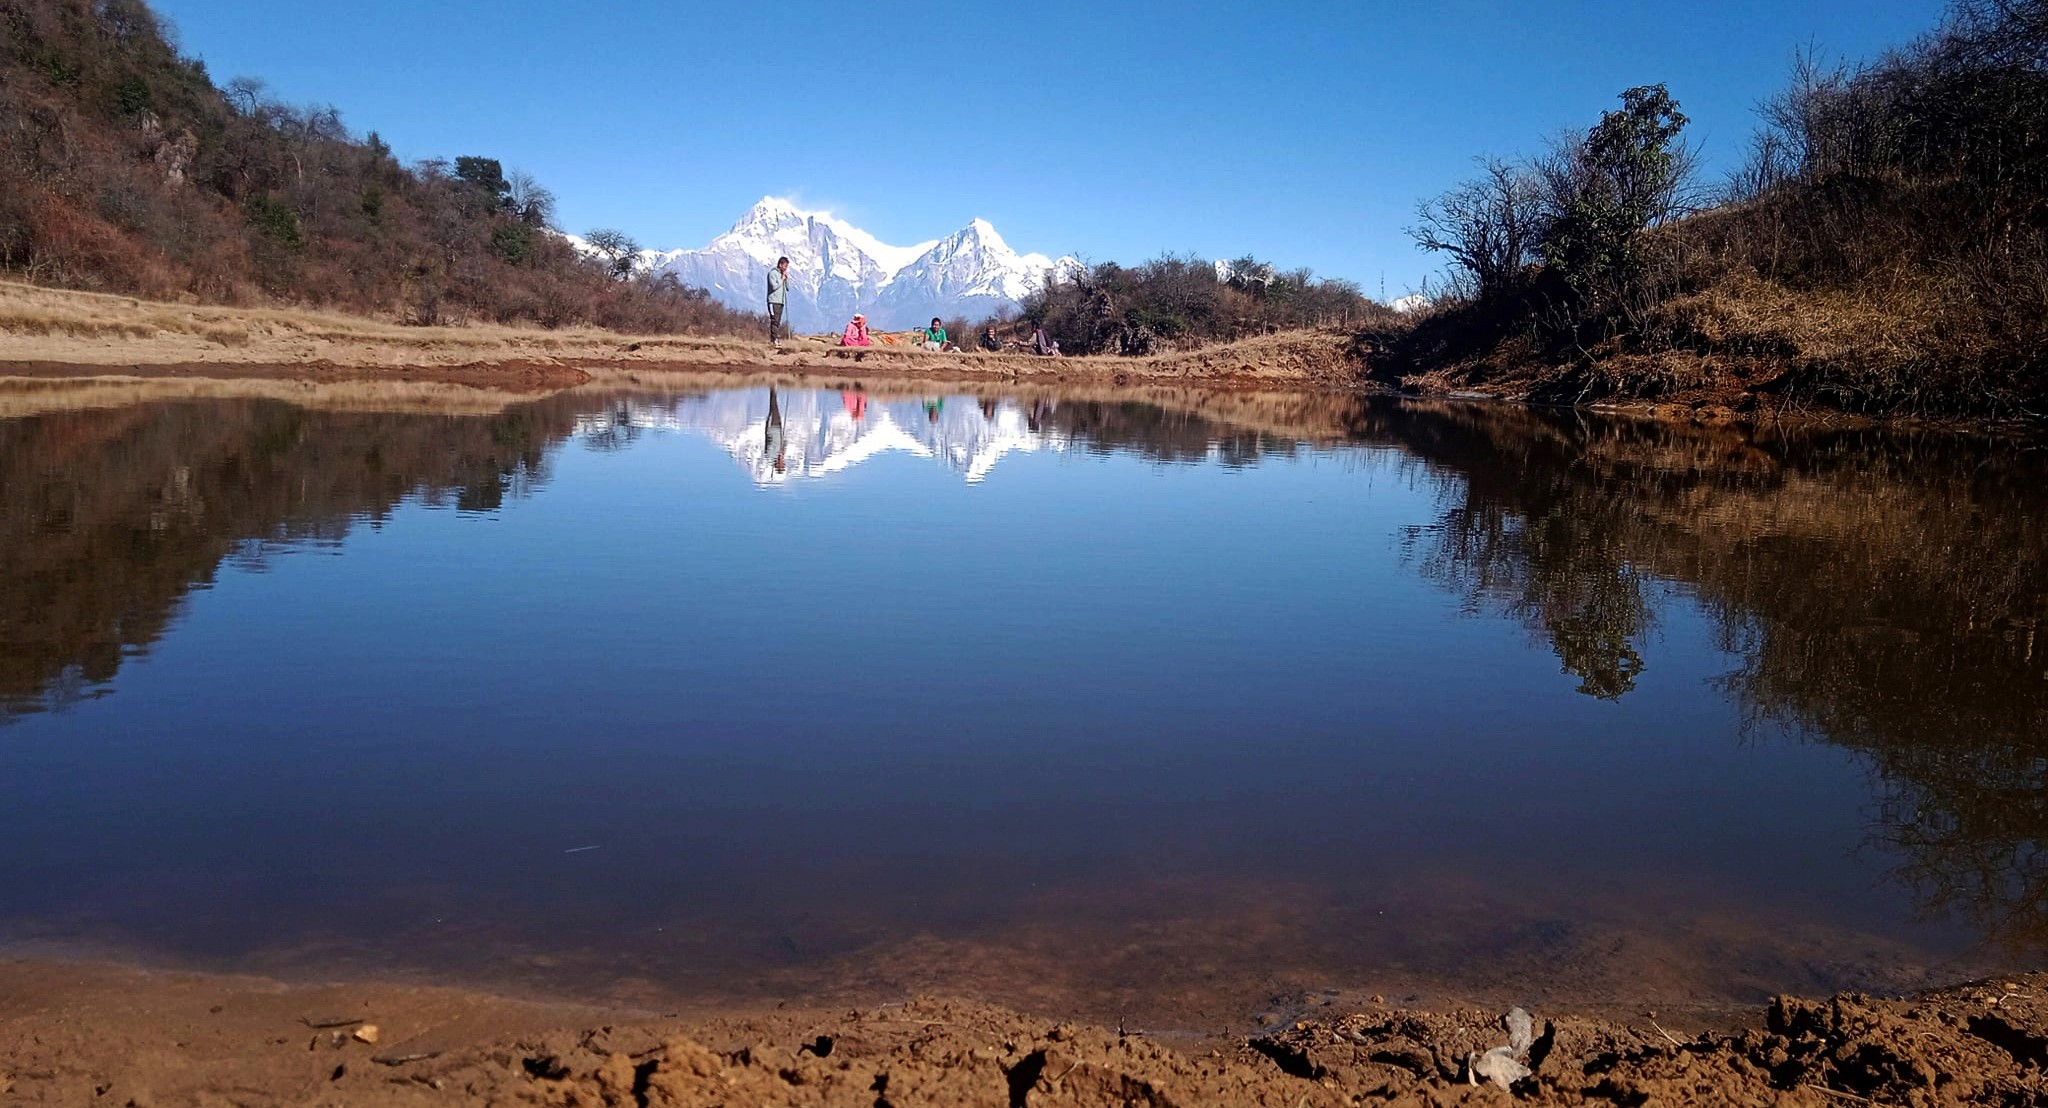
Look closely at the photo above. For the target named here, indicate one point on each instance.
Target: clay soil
(88, 1034)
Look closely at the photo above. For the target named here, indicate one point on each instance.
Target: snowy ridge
(837, 269)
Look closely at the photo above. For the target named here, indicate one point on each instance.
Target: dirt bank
(93, 1034)
(50, 331)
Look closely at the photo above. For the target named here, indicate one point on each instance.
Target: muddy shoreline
(93, 1033)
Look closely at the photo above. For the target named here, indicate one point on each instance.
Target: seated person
(856, 333)
(990, 342)
(1043, 345)
(935, 338)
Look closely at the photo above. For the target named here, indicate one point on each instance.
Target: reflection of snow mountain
(825, 432)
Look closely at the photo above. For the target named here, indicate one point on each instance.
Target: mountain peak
(770, 212)
(982, 231)
(837, 269)
(776, 205)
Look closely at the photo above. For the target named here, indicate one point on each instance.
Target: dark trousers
(777, 331)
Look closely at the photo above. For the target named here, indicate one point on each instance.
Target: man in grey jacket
(778, 301)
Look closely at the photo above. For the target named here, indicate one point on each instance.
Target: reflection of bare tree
(1883, 593)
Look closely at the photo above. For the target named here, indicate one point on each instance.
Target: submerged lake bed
(1192, 707)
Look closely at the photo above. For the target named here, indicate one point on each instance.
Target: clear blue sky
(1303, 132)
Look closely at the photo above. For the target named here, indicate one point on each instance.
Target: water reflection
(779, 437)
(1878, 592)
(108, 518)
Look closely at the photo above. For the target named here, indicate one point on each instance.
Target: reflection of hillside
(109, 516)
(1883, 592)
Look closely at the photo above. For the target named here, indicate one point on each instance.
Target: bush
(1184, 302)
(275, 221)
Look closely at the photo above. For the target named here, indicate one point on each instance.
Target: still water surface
(1103, 706)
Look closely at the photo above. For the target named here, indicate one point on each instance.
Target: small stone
(367, 1033)
(1497, 1065)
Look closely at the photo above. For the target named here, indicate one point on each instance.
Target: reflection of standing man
(778, 301)
(774, 441)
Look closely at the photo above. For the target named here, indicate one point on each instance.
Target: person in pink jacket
(856, 333)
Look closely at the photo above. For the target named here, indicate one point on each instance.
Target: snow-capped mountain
(838, 269)
(971, 273)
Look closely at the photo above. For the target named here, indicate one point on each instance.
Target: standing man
(778, 301)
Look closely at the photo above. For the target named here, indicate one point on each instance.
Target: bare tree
(245, 93)
(617, 250)
(1488, 225)
(532, 202)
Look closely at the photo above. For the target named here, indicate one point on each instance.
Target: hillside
(1884, 250)
(124, 168)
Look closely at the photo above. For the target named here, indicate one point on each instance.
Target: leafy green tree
(512, 241)
(1622, 178)
(485, 177)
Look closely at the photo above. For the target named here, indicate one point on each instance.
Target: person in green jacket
(935, 337)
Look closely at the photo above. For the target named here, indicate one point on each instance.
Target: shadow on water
(1879, 591)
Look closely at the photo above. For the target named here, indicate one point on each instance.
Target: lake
(1181, 707)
